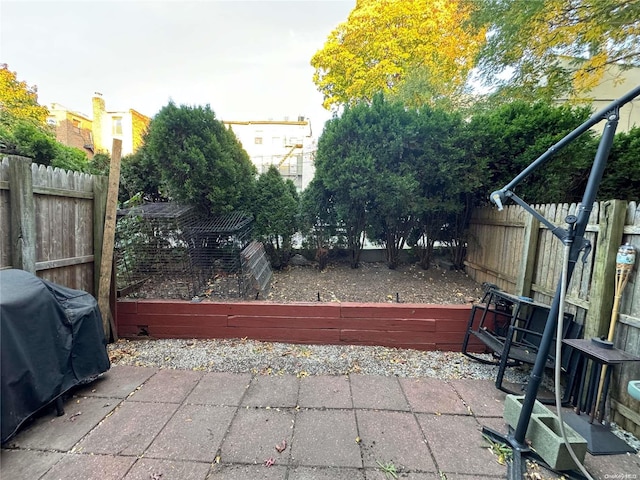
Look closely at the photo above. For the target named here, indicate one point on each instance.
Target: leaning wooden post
(106, 263)
(23, 214)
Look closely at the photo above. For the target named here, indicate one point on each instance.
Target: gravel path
(267, 358)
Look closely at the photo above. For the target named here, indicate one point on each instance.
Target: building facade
(615, 83)
(289, 145)
(127, 125)
(73, 129)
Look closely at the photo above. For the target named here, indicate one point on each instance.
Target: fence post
(100, 185)
(611, 227)
(23, 214)
(528, 262)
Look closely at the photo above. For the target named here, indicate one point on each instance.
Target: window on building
(117, 125)
(258, 141)
(75, 122)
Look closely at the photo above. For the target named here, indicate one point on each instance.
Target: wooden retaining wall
(417, 326)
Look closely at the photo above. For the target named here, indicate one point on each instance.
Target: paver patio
(143, 423)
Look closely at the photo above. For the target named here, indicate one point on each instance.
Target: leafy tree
(139, 176)
(317, 214)
(383, 42)
(70, 158)
(24, 138)
(510, 137)
(199, 160)
(27, 139)
(621, 178)
(450, 181)
(23, 128)
(528, 37)
(346, 168)
(387, 134)
(276, 214)
(99, 164)
(19, 101)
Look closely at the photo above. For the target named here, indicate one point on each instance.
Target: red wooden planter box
(419, 326)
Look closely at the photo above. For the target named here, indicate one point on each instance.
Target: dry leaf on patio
(282, 446)
(269, 461)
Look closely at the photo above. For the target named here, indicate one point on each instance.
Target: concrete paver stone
(325, 473)
(148, 468)
(272, 391)
(118, 382)
(83, 467)
(220, 388)
(170, 386)
(195, 432)
(244, 472)
(254, 434)
(129, 430)
(393, 437)
(370, 391)
(325, 392)
(378, 474)
(430, 395)
(484, 399)
(61, 433)
(326, 438)
(458, 446)
(27, 464)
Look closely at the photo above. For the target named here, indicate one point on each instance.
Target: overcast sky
(249, 60)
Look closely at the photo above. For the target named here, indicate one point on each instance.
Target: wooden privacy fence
(513, 250)
(51, 222)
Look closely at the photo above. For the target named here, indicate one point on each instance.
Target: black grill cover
(52, 339)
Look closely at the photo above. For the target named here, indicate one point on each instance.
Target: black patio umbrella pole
(572, 236)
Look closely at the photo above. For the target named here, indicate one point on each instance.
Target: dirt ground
(373, 283)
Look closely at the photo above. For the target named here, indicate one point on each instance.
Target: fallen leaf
(282, 446)
(269, 461)
(72, 418)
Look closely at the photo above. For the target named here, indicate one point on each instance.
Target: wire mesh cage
(167, 250)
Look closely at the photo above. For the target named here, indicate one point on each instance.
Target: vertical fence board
(5, 216)
(23, 228)
(612, 217)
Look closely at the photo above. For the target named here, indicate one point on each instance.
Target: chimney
(98, 113)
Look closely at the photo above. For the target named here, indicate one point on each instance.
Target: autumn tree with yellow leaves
(19, 101)
(24, 130)
(549, 48)
(384, 43)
